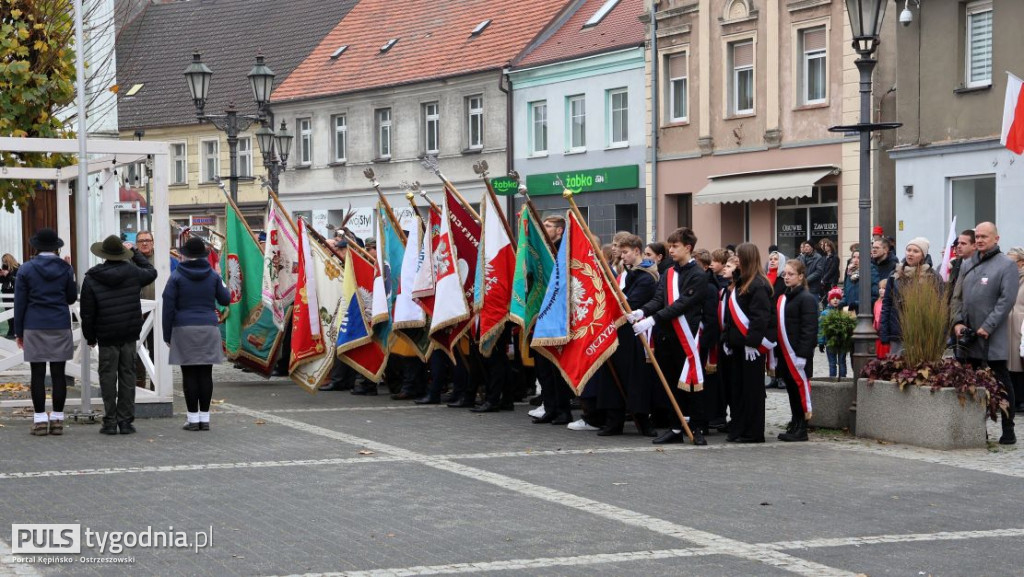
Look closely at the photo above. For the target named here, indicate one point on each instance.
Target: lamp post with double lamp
(275, 147)
(261, 79)
(866, 23)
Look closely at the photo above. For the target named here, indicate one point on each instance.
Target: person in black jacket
(8, 276)
(829, 265)
(638, 282)
(678, 308)
(797, 318)
(112, 317)
(746, 339)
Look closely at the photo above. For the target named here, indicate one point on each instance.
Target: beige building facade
(747, 90)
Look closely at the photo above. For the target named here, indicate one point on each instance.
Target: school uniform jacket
(692, 283)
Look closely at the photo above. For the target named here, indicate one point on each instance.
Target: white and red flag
(1012, 136)
(950, 253)
(451, 311)
(494, 272)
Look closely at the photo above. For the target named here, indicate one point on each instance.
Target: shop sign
(504, 185)
(126, 206)
(361, 223)
(208, 220)
(611, 178)
(792, 231)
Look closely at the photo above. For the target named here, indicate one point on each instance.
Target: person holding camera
(989, 288)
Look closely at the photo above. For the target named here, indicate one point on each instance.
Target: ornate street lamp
(261, 79)
(866, 23)
(275, 148)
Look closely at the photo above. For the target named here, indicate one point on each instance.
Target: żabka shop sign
(611, 178)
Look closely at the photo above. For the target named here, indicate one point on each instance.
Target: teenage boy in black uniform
(678, 310)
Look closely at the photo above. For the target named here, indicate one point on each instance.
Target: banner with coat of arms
(314, 329)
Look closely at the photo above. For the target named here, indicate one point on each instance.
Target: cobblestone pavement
(289, 483)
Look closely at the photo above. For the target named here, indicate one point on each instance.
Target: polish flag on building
(1013, 115)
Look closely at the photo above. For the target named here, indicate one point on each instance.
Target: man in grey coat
(812, 262)
(989, 283)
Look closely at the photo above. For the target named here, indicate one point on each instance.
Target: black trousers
(671, 357)
(747, 394)
(796, 406)
(635, 374)
(38, 386)
(414, 375)
(197, 384)
(554, 390)
(1002, 374)
(498, 371)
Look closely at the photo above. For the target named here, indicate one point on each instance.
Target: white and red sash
(692, 377)
(739, 318)
(797, 365)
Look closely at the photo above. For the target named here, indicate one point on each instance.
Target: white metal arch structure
(107, 155)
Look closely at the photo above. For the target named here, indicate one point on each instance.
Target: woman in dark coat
(829, 266)
(914, 268)
(746, 339)
(190, 328)
(44, 288)
(8, 275)
(797, 321)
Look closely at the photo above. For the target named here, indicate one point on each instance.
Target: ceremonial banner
(455, 261)
(355, 344)
(533, 266)
(494, 271)
(249, 334)
(318, 271)
(426, 275)
(280, 264)
(410, 321)
(581, 311)
(390, 254)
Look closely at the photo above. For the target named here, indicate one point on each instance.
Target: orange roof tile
(434, 41)
(620, 28)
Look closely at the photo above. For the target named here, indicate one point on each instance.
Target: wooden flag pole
(610, 278)
(277, 201)
(227, 196)
(430, 163)
(481, 169)
(368, 173)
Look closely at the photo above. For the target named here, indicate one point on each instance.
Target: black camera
(967, 337)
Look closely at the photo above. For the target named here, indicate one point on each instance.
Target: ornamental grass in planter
(925, 323)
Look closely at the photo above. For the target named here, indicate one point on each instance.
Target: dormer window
(601, 13)
(341, 50)
(480, 28)
(387, 46)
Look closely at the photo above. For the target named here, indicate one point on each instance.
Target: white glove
(751, 353)
(726, 349)
(643, 326)
(635, 316)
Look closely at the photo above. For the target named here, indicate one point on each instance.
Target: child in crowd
(836, 359)
(881, 349)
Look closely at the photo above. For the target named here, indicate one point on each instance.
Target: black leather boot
(798, 434)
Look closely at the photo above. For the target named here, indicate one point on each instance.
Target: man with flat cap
(112, 317)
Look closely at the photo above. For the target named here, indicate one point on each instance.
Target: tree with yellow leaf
(37, 78)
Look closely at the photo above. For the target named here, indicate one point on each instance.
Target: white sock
(204, 417)
(677, 431)
(192, 417)
(55, 416)
(40, 418)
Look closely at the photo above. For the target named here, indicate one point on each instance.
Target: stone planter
(917, 416)
(831, 402)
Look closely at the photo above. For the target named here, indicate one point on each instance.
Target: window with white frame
(741, 82)
(210, 150)
(538, 127)
(676, 65)
(576, 106)
(475, 110)
(382, 117)
(813, 59)
(978, 44)
(245, 157)
(340, 124)
(618, 116)
(431, 128)
(179, 163)
(305, 130)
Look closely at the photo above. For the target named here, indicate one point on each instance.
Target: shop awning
(768, 185)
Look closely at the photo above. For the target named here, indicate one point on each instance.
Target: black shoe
(462, 403)
(126, 428)
(796, 434)
(772, 384)
(610, 430)
(732, 439)
(644, 426)
(370, 390)
(333, 387)
(487, 407)
(108, 429)
(670, 437)
(191, 426)
(1008, 438)
(449, 398)
(563, 419)
(204, 426)
(547, 418)
(402, 397)
(427, 400)
(698, 437)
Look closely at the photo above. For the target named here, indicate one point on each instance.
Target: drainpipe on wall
(654, 120)
(509, 132)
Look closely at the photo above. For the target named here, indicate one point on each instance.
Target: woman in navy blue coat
(44, 288)
(190, 328)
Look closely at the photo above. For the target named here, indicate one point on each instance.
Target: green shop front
(610, 198)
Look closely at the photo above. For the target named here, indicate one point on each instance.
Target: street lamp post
(275, 148)
(866, 23)
(261, 78)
